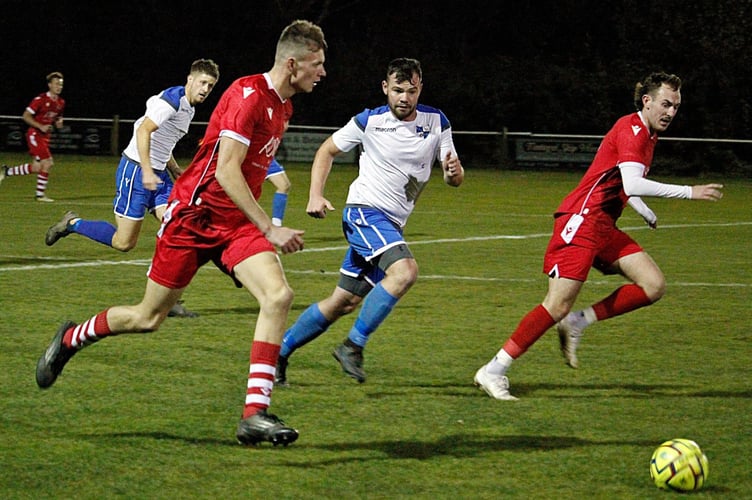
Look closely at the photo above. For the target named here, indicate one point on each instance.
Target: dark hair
(652, 83)
(54, 74)
(206, 66)
(403, 69)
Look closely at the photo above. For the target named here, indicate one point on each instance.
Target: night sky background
(541, 66)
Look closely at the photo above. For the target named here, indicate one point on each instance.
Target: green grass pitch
(154, 416)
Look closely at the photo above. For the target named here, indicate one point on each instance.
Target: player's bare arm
(149, 179)
(318, 205)
(173, 167)
(230, 177)
(28, 118)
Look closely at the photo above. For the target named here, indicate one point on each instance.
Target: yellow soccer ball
(679, 465)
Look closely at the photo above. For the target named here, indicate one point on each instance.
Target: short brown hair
(206, 66)
(653, 82)
(54, 74)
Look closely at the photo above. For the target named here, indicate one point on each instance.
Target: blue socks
(279, 204)
(376, 307)
(97, 230)
(309, 325)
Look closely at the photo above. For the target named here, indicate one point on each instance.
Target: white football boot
(496, 386)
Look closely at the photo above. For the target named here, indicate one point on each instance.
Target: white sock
(582, 319)
(499, 364)
(589, 315)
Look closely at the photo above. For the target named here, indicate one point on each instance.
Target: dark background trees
(543, 66)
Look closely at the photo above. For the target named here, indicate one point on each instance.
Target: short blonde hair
(299, 37)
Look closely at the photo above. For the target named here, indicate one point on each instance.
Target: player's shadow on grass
(625, 390)
(456, 445)
(460, 446)
(240, 310)
(37, 261)
(107, 200)
(470, 445)
(569, 391)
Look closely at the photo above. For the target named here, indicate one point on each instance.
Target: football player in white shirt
(400, 143)
(143, 181)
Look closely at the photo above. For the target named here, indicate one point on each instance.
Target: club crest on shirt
(423, 131)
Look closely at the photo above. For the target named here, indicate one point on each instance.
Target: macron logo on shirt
(269, 111)
(636, 129)
(248, 91)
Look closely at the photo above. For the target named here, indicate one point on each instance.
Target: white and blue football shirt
(396, 158)
(172, 113)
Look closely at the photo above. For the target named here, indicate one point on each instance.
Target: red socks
(261, 377)
(624, 299)
(87, 332)
(531, 328)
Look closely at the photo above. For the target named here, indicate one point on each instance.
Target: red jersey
(600, 190)
(252, 112)
(46, 109)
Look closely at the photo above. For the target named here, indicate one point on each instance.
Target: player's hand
(451, 164)
(286, 239)
(318, 206)
(710, 192)
(452, 169)
(150, 180)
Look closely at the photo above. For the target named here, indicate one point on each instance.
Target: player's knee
(123, 245)
(142, 322)
(557, 310)
(339, 304)
(655, 290)
(403, 274)
(348, 306)
(280, 298)
(151, 325)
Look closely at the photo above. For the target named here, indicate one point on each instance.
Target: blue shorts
(370, 233)
(274, 168)
(132, 200)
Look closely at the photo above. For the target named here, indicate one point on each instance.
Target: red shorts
(39, 144)
(596, 244)
(191, 236)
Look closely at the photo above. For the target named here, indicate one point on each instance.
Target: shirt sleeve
(159, 111)
(641, 208)
(635, 184)
(447, 144)
(348, 136)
